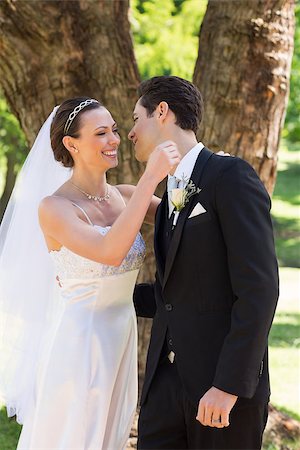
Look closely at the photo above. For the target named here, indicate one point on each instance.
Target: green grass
(286, 206)
(9, 432)
(285, 445)
(284, 345)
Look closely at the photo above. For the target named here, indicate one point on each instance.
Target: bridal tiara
(75, 111)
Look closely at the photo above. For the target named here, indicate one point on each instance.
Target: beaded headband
(75, 111)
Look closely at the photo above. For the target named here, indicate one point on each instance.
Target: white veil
(29, 304)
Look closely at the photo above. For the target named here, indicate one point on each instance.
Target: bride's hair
(57, 133)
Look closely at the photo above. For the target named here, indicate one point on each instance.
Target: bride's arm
(59, 221)
(126, 190)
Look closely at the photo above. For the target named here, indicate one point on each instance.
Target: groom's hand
(214, 408)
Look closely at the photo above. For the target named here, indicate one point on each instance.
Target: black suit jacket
(218, 289)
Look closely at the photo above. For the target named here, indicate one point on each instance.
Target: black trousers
(168, 419)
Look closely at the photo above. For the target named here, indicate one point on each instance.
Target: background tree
(243, 70)
(54, 50)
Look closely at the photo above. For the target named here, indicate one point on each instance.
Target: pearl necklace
(94, 197)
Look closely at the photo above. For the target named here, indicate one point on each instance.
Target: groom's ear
(162, 110)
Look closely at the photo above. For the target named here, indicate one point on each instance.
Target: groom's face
(145, 133)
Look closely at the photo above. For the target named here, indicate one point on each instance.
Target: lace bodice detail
(69, 265)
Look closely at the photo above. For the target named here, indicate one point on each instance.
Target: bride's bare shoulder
(53, 207)
(54, 201)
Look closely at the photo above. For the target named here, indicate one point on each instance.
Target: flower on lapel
(181, 196)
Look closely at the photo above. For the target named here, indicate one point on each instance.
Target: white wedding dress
(86, 392)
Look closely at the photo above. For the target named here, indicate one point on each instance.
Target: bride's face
(98, 141)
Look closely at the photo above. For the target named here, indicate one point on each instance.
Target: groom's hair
(183, 98)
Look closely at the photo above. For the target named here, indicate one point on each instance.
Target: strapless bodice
(69, 265)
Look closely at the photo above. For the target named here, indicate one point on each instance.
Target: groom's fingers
(205, 412)
(208, 415)
(225, 418)
(200, 414)
(214, 408)
(216, 420)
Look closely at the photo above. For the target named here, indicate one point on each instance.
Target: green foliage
(11, 136)
(12, 139)
(291, 129)
(166, 36)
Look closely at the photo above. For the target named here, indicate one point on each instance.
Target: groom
(207, 383)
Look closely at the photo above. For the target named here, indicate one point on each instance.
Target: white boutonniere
(181, 196)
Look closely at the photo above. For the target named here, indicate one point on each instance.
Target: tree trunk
(51, 51)
(96, 59)
(243, 70)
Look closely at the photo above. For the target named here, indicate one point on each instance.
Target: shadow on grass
(10, 431)
(286, 227)
(287, 240)
(286, 331)
(288, 252)
(287, 186)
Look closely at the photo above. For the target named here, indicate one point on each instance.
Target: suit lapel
(160, 216)
(201, 161)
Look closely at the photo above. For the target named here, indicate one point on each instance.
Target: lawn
(285, 333)
(286, 206)
(9, 432)
(284, 345)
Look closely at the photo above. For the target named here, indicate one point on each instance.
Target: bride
(68, 327)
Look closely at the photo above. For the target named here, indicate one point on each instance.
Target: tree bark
(243, 70)
(51, 51)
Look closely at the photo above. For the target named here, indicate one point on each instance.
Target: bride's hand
(161, 161)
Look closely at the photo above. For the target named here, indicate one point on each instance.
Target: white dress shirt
(185, 168)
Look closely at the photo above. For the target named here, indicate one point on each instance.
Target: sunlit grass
(284, 345)
(9, 432)
(286, 207)
(284, 374)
